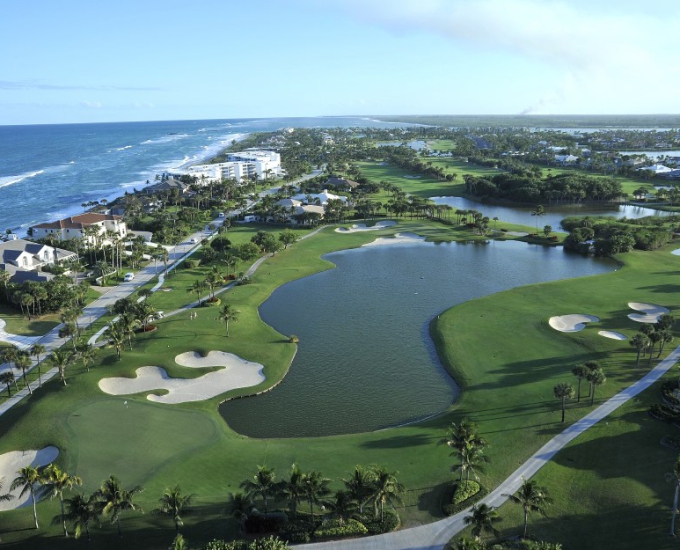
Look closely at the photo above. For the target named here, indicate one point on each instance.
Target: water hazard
(365, 359)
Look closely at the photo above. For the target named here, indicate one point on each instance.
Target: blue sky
(86, 61)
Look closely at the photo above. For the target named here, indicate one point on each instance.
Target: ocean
(48, 171)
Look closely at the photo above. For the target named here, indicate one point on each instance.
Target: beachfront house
(90, 227)
(23, 259)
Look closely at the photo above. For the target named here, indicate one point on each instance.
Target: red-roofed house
(77, 227)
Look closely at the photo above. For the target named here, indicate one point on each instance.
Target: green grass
(500, 348)
(20, 325)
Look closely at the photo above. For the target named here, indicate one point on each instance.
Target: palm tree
(55, 483)
(482, 519)
(315, 489)
(81, 511)
(463, 437)
(640, 342)
(581, 373)
(116, 337)
(538, 212)
(61, 358)
(359, 486)
(239, 506)
(87, 353)
(472, 460)
(172, 504)
(596, 378)
(114, 500)
(385, 490)
(563, 391)
(227, 313)
(262, 485)
(128, 325)
(28, 479)
(198, 287)
(7, 377)
(5, 497)
(532, 498)
(23, 361)
(343, 505)
(37, 350)
(294, 488)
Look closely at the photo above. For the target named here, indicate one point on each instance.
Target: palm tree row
(111, 499)
(375, 486)
(60, 358)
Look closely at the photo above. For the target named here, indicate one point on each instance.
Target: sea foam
(10, 180)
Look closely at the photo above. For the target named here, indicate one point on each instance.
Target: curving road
(434, 536)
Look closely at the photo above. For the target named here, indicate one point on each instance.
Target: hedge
(333, 529)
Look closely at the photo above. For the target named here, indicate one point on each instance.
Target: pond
(365, 359)
(553, 214)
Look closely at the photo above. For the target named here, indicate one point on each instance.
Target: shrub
(212, 302)
(243, 281)
(297, 531)
(451, 508)
(464, 491)
(668, 391)
(377, 527)
(333, 529)
(191, 264)
(293, 339)
(664, 412)
(265, 523)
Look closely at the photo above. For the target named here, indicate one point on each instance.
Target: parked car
(128, 277)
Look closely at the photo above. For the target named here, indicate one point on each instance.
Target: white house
(323, 197)
(77, 227)
(22, 259)
(565, 159)
(656, 169)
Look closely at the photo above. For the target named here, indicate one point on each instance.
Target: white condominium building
(241, 166)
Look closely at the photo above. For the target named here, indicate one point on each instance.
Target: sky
(105, 61)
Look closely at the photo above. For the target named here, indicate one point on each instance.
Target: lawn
(19, 324)
(500, 349)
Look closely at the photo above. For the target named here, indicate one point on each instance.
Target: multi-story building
(89, 226)
(241, 166)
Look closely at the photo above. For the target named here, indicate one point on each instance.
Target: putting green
(132, 439)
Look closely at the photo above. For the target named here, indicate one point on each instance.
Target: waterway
(553, 214)
(365, 359)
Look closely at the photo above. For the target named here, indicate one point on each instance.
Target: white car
(194, 240)
(128, 277)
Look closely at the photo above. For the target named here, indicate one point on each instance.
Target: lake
(365, 359)
(553, 214)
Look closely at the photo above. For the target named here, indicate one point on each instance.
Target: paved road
(101, 306)
(434, 536)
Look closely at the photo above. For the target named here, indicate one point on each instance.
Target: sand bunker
(572, 323)
(399, 238)
(237, 373)
(12, 462)
(650, 312)
(676, 252)
(613, 335)
(362, 227)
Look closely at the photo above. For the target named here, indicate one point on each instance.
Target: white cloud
(598, 48)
